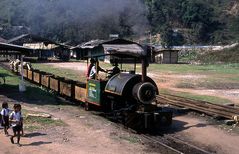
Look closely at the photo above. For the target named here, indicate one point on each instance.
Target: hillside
(178, 21)
(230, 55)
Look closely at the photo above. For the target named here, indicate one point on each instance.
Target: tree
(170, 38)
(199, 17)
(155, 15)
(166, 37)
(234, 28)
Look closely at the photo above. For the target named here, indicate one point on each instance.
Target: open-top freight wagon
(127, 96)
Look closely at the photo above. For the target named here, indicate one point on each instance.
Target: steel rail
(228, 112)
(213, 105)
(166, 148)
(203, 109)
(188, 144)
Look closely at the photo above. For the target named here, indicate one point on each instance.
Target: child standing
(16, 121)
(5, 117)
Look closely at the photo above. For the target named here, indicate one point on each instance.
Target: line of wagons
(72, 89)
(124, 96)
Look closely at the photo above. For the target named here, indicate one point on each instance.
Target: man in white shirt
(93, 70)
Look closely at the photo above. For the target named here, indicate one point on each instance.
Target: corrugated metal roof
(17, 38)
(125, 49)
(120, 47)
(10, 47)
(40, 46)
(92, 44)
(30, 39)
(3, 40)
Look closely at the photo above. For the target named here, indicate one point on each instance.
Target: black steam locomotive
(126, 96)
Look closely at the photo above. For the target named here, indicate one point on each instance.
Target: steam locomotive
(126, 96)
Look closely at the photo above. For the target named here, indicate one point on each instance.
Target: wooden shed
(167, 56)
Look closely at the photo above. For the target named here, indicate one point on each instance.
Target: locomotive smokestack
(144, 69)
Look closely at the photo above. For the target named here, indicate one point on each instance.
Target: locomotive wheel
(112, 106)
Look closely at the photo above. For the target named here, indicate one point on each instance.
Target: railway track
(228, 112)
(164, 143)
(168, 144)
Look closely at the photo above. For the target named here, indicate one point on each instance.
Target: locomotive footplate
(148, 121)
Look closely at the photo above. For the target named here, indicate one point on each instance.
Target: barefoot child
(5, 117)
(16, 120)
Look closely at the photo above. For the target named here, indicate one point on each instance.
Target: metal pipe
(96, 68)
(22, 67)
(22, 87)
(135, 65)
(120, 63)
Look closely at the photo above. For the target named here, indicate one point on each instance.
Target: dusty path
(170, 82)
(84, 133)
(206, 135)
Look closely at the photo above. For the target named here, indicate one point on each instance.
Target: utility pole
(151, 47)
(22, 86)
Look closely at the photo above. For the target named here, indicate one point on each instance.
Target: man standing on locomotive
(115, 69)
(93, 70)
(92, 63)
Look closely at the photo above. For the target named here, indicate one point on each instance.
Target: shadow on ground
(178, 126)
(36, 143)
(33, 95)
(34, 134)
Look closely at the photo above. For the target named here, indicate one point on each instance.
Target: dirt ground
(83, 133)
(171, 80)
(194, 130)
(87, 133)
(201, 133)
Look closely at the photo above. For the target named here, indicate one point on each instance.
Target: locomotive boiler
(126, 88)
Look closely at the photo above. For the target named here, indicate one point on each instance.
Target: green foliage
(170, 38)
(234, 28)
(36, 123)
(226, 56)
(207, 20)
(198, 16)
(200, 21)
(188, 56)
(167, 37)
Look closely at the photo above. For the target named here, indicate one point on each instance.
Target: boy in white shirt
(16, 122)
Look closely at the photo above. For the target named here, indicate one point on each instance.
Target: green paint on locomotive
(95, 90)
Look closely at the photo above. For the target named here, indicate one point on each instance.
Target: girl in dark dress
(5, 117)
